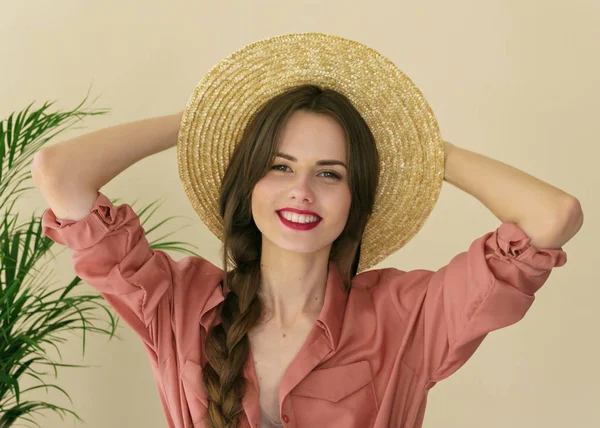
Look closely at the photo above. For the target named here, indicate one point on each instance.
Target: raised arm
(548, 215)
(70, 173)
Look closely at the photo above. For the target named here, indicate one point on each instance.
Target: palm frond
(33, 316)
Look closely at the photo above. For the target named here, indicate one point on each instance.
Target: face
(297, 180)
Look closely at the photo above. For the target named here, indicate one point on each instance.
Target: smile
(299, 226)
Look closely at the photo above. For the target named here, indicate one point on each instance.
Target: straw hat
(406, 132)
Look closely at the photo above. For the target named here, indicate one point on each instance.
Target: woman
(294, 330)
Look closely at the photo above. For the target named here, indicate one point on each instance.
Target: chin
(295, 248)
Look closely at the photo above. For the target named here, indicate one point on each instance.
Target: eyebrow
(321, 162)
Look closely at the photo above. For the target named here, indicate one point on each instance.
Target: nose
(301, 188)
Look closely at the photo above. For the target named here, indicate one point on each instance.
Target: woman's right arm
(70, 173)
(146, 287)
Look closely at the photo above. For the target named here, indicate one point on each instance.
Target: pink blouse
(373, 353)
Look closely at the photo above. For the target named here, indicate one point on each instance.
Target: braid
(227, 344)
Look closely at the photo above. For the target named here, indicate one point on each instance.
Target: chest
(273, 351)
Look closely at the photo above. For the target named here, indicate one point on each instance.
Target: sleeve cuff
(84, 233)
(511, 244)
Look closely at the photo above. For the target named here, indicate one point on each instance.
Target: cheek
(260, 195)
(344, 201)
(338, 206)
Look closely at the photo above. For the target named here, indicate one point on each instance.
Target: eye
(334, 175)
(277, 166)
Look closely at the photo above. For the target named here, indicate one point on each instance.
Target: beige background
(515, 80)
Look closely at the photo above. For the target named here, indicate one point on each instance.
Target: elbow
(36, 168)
(574, 215)
(567, 223)
(41, 167)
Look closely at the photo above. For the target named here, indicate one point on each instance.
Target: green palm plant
(32, 317)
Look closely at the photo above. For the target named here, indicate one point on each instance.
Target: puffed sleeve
(488, 287)
(112, 254)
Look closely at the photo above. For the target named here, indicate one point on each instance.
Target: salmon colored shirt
(373, 353)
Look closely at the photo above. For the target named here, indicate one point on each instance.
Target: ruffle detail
(84, 233)
(511, 244)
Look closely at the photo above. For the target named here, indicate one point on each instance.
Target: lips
(298, 226)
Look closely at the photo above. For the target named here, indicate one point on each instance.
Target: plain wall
(514, 80)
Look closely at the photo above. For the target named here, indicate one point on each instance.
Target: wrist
(448, 149)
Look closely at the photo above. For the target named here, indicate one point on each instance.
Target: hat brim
(405, 129)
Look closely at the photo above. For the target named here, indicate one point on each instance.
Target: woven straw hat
(406, 132)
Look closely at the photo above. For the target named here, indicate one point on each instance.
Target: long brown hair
(227, 344)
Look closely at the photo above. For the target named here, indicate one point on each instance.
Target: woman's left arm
(549, 216)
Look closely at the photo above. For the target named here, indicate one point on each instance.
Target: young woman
(308, 182)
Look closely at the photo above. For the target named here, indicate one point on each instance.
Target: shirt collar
(331, 316)
(334, 305)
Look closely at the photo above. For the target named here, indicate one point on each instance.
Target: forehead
(310, 135)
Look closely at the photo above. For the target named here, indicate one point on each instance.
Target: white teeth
(298, 218)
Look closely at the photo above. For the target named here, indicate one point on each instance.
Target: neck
(293, 285)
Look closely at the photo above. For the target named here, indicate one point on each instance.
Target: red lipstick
(299, 226)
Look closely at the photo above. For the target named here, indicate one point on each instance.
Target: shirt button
(286, 419)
